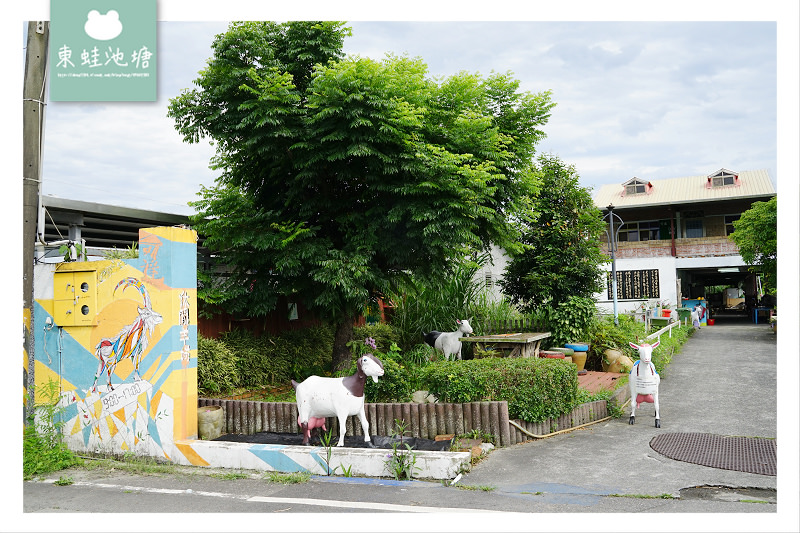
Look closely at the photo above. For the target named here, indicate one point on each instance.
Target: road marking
(396, 508)
(390, 507)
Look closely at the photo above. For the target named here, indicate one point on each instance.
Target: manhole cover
(743, 454)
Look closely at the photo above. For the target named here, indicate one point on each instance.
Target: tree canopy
(339, 175)
(562, 255)
(756, 236)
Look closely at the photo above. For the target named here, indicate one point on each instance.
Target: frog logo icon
(103, 27)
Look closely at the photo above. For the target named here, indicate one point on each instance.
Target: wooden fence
(512, 325)
(421, 420)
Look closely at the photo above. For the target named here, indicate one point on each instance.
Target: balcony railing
(694, 247)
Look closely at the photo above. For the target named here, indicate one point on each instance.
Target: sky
(654, 100)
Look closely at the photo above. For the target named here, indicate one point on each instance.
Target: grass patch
(484, 488)
(287, 478)
(230, 476)
(64, 481)
(132, 465)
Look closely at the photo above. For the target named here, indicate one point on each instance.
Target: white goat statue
(644, 381)
(448, 342)
(319, 397)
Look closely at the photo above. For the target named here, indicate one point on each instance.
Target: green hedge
(535, 388)
(239, 359)
(216, 367)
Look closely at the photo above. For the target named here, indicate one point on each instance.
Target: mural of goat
(448, 342)
(319, 397)
(644, 381)
(131, 341)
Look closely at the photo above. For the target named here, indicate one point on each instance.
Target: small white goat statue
(644, 381)
(318, 398)
(448, 342)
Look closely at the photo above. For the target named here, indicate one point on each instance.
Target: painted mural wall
(117, 340)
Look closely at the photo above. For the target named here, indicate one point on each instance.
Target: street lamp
(612, 247)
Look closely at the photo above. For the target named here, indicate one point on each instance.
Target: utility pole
(612, 247)
(33, 105)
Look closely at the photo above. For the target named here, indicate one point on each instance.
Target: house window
(723, 178)
(648, 231)
(729, 220)
(722, 181)
(640, 231)
(487, 277)
(694, 229)
(635, 186)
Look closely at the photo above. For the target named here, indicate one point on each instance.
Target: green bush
(570, 320)
(43, 447)
(384, 335)
(216, 367)
(400, 378)
(604, 335)
(239, 359)
(536, 389)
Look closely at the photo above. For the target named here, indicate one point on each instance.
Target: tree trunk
(341, 353)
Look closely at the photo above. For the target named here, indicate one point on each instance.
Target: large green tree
(756, 236)
(342, 175)
(562, 256)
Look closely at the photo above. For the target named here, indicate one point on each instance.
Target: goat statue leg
(655, 403)
(632, 419)
(342, 428)
(362, 416)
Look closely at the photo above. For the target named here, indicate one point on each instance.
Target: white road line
(390, 507)
(366, 505)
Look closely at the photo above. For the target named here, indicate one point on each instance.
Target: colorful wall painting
(119, 337)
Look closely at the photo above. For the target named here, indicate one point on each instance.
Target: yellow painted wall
(124, 312)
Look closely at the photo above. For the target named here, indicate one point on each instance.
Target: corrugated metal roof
(752, 183)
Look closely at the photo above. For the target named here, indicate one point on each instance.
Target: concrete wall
(133, 322)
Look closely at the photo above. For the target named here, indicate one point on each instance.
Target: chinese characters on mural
(183, 321)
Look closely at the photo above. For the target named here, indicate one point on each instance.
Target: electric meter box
(75, 298)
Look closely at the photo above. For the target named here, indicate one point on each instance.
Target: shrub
(436, 304)
(400, 378)
(536, 389)
(384, 335)
(216, 367)
(43, 447)
(570, 320)
(604, 335)
(239, 359)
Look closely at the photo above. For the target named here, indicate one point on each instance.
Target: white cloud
(653, 99)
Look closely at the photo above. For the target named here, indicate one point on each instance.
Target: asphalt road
(723, 382)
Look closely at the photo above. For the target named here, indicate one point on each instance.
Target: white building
(673, 242)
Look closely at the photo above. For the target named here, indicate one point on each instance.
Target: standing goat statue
(318, 398)
(644, 380)
(448, 342)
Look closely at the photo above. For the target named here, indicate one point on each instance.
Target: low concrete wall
(360, 462)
